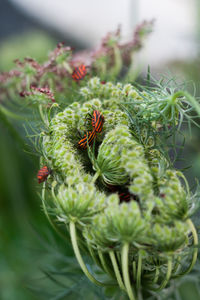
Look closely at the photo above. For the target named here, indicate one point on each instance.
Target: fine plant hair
(137, 247)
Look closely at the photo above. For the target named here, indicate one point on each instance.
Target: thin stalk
(156, 275)
(116, 270)
(104, 265)
(139, 295)
(93, 255)
(185, 181)
(191, 99)
(167, 277)
(67, 67)
(118, 257)
(44, 119)
(47, 215)
(97, 174)
(79, 258)
(177, 264)
(55, 105)
(134, 270)
(125, 271)
(139, 269)
(195, 252)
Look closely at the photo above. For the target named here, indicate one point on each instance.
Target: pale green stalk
(93, 255)
(125, 271)
(167, 277)
(42, 115)
(156, 275)
(97, 174)
(139, 269)
(103, 262)
(134, 270)
(116, 269)
(195, 251)
(191, 99)
(47, 214)
(177, 264)
(72, 228)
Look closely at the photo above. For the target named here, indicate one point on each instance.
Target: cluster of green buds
(141, 243)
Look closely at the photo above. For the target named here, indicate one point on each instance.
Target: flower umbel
(105, 167)
(121, 237)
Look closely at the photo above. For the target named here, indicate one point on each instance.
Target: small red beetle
(79, 73)
(97, 121)
(42, 174)
(87, 138)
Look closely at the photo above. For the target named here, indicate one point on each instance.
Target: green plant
(139, 245)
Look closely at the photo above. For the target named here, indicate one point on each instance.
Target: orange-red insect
(42, 174)
(79, 73)
(97, 121)
(88, 138)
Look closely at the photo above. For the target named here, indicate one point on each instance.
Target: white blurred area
(174, 36)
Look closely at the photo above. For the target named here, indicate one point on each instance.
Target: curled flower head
(105, 161)
(121, 192)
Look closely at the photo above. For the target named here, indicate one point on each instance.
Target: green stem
(104, 265)
(156, 275)
(79, 258)
(167, 278)
(44, 119)
(116, 269)
(177, 264)
(67, 67)
(134, 270)
(54, 105)
(139, 269)
(47, 214)
(191, 99)
(97, 174)
(195, 252)
(125, 271)
(118, 257)
(185, 181)
(93, 255)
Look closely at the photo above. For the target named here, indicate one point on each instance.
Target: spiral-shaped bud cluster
(140, 242)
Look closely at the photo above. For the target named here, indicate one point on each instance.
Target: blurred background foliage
(28, 258)
(29, 44)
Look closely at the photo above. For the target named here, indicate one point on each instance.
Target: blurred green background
(28, 247)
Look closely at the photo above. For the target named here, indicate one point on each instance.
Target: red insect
(162, 195)
(124, 197)
(97, 121)
(42, 174)
(123, 193)
(89, 137)
(79, 73)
